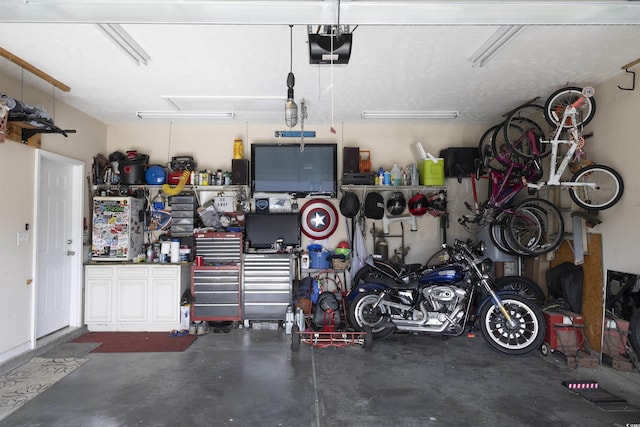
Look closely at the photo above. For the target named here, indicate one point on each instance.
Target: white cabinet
(134, 297)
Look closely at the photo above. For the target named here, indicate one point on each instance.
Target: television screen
(262, 230)
(286, 168)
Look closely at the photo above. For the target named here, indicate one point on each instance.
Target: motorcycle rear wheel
(528, 333)
(523, 287)
(363, 316)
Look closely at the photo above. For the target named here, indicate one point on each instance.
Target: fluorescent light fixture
(410, 114)
(494, 44)
(125, 42)
(185, 114)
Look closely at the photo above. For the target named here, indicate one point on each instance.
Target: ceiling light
(290, 107)
(410, 114)
(123, 40)
(185, 114)
(494, 44)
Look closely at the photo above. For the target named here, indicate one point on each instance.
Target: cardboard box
(431, 173)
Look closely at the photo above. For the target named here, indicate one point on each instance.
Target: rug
(25, 382)
(136, 342)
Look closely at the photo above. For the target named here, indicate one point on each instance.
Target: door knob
(69, 253)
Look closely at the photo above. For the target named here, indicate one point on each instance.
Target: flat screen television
(285, 168)
(262, 230)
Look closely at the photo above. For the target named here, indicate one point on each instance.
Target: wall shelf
(382, 188)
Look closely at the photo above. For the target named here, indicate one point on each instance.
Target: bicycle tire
(524, 130)
(497, 234)
(537, 227)
(487, 153)
(561, 99)
(503, 152)
(608, 192)
(513, 240)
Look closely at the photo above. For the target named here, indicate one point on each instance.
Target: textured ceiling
(406, 63)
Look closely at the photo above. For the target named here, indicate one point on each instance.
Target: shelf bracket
(28, 133)
(633, 74)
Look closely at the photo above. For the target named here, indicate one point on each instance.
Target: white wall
(212, 148)
(617, 144)
(17, 175)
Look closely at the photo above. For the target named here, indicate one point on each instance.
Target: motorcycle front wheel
(362, 315)
(525, 335)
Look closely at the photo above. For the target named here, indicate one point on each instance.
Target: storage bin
(318, 258)
(431, 173)
(459, 161)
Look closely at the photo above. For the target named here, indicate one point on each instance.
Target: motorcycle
(382, 269)
(445, 300)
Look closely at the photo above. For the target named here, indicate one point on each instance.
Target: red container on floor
(565, 332)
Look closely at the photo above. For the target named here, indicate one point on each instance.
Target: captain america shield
(319, 219)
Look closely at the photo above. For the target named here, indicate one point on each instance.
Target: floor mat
(27, 381)
(71, 349)
(136, 342)
(591, 390)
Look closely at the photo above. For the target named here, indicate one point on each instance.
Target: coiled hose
(172, 191)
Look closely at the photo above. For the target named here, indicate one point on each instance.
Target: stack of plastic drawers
(183, 208)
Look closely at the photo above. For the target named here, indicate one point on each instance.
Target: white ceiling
(235, 55)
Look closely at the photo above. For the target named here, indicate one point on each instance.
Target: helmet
(396, 203)
(349, 204)
(418, 204)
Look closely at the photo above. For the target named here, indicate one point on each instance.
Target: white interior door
(58, 244)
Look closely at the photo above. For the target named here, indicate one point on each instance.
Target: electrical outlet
(23, 238)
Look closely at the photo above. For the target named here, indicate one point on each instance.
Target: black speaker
(240, 171)
(350, 159)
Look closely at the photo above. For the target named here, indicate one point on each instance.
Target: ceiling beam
(318, 12)
(33, 70)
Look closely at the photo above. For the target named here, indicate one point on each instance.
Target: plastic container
(396, 175)
(318, 258)
(431, 172)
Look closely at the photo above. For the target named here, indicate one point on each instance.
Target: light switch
(23, 238)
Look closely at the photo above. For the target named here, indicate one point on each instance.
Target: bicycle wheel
(526, 231)
(607, 190)
(503, 153)
(561, 99)
(498, 236)
(536, 227)
(524, 130)
(487, 153)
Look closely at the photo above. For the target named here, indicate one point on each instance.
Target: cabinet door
(165, 294)
(98, 295)
(131, 294)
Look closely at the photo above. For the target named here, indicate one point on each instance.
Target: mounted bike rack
(633, 74)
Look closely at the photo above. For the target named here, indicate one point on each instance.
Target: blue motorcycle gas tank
(443, 275)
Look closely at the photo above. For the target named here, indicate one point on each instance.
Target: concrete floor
(251, 378)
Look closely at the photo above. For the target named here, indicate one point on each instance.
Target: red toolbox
(565, 333)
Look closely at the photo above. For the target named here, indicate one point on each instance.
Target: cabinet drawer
(131, 272)
(217, 298)
(231, 311)
(94, 272)
(169, 271)
(266, 297)
(264, 312)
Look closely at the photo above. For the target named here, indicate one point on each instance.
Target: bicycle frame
(575, 141)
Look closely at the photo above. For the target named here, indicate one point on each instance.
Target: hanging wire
(291, 48)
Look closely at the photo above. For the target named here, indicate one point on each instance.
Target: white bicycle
(568, 110)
